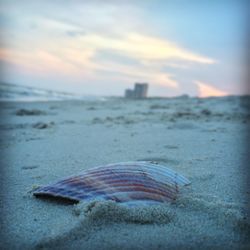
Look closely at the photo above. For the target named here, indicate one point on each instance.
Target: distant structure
(140, 91)
(129, 93)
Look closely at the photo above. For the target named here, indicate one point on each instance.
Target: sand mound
(141, 225)
(96, 216)
(109, 211)
(223, 214)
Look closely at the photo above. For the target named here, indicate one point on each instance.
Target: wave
(13, 92)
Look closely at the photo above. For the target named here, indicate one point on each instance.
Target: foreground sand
(202, 139)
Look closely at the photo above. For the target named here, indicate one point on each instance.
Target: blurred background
(101, 48)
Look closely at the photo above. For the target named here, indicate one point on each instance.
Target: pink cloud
(206, 90)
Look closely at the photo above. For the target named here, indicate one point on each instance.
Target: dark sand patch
(13, 126)
(119, 120)
(91, 108)
(33, 139)
(43, 125)
(29, 112)
(158, 106)
(68, 122)
(184, 125)
(160, 160)
(39, 177)
(171, 147)
(29, 167)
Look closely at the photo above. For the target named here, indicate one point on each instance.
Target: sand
(203, 139)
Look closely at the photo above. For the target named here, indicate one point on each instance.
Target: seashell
(126, 182)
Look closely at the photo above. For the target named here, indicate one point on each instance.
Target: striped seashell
(126, 182)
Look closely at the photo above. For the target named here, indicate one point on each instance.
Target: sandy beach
(203, 139)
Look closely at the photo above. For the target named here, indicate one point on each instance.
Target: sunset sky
(102, 47)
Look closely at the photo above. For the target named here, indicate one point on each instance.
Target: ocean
(21, 93)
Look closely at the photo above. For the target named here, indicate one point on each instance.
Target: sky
(100, 47)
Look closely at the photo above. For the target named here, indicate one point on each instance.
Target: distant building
(129, 93)
(140, 91)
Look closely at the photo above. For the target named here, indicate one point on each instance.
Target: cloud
(144, 47)
(77, 56)
(90, 42)
(73, 33)
(42, 62)
(206, 90)
(130, 74)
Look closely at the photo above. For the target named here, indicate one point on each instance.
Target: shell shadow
(56, 200)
